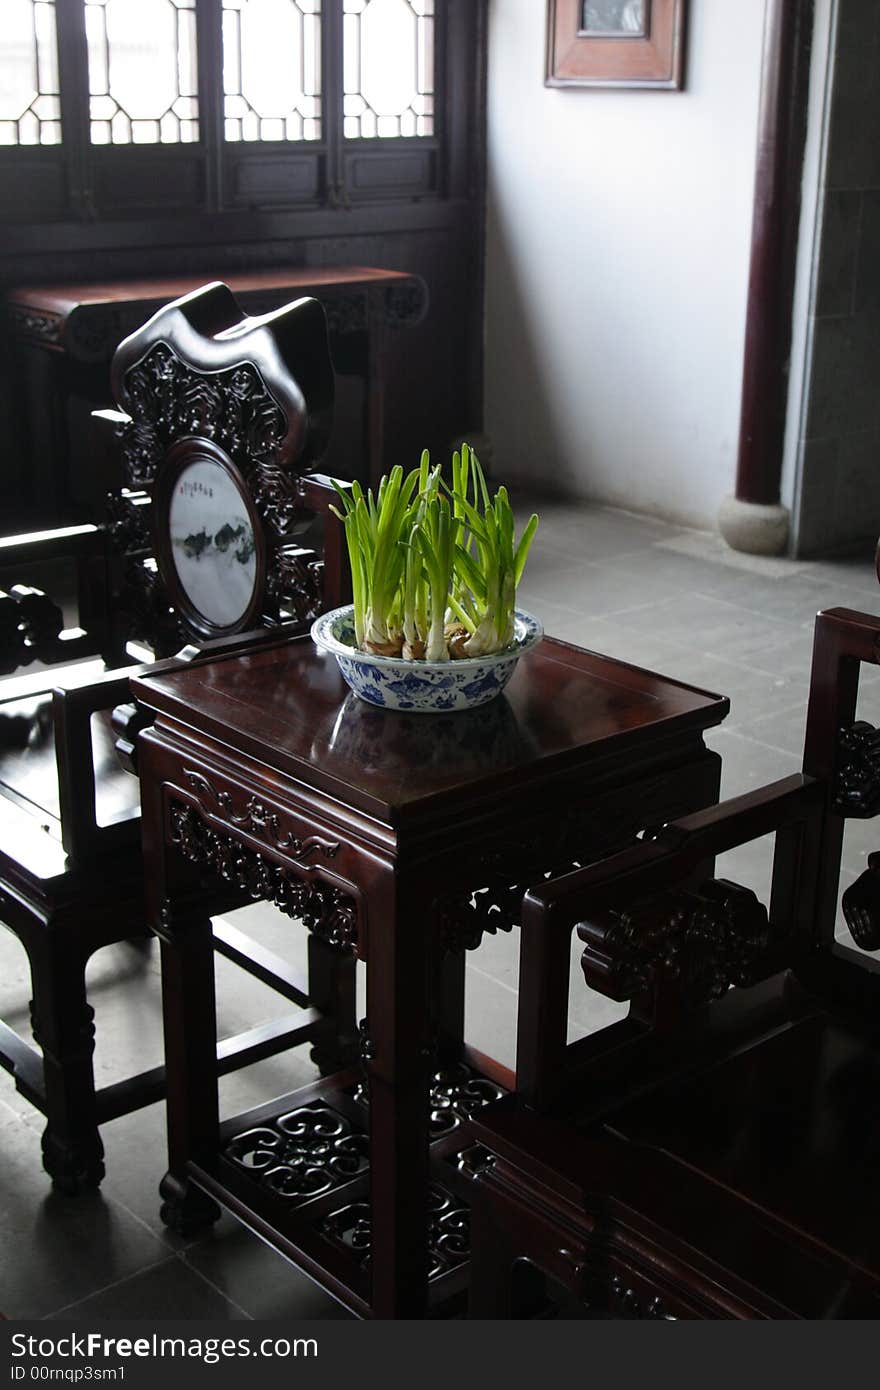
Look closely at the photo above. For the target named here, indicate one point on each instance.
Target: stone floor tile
(158, 1293)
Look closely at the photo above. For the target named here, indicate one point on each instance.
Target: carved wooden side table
(66, 335)
(402, 838)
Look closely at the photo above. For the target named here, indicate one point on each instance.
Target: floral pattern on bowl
(422, 687)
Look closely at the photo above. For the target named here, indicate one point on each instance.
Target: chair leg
(332, 990)
(73, 1154)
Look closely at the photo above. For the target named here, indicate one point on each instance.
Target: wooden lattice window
(272, 69)
(30, 103)
(160, 107)
(143, 79)
(388, 68)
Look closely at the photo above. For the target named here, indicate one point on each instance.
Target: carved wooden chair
(211, 544)
(714, 1154)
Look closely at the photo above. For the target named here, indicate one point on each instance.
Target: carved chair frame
(707, 971)
(254, 398)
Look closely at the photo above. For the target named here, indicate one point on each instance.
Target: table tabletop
(287, 706)
(64, 298)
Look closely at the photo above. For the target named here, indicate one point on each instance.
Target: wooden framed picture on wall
(615, 43)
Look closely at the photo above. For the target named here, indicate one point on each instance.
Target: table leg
(398, 1065)
(191, 1070)
(450, 990)
(188, 1008)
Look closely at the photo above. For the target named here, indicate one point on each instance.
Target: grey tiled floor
(672, 600)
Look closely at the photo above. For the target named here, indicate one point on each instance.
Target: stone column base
(754, 527)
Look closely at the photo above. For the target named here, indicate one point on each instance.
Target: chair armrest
(318, 492)
(36, 547)
(682, 849)
(72, 710)
(31, 624)
(854, 630)
(843, 638)
(678, 849)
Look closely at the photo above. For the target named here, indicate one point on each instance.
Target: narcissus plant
(435, 565)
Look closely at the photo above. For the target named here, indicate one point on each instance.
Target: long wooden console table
(66, 335)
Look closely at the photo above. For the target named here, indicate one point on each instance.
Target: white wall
(619, 230)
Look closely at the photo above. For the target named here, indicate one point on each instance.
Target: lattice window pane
(272, 69)
(142, 67)
(30, 112)
(388, 68)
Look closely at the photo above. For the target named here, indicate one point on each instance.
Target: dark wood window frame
(210, 188)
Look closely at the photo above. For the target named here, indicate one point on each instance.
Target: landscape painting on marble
(212, 543)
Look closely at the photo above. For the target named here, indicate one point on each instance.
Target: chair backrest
(221, 533)
(222, 525)
(221, 418)
(661, 931)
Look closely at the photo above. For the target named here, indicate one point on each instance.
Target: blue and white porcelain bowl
(422, 687)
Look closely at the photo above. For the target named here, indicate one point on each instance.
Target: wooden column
(782, 123)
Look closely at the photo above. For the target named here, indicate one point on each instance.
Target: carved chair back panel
(223, 417)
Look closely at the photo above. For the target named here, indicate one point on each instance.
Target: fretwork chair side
(218, 414)
(65, 619)
(714, 1154)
